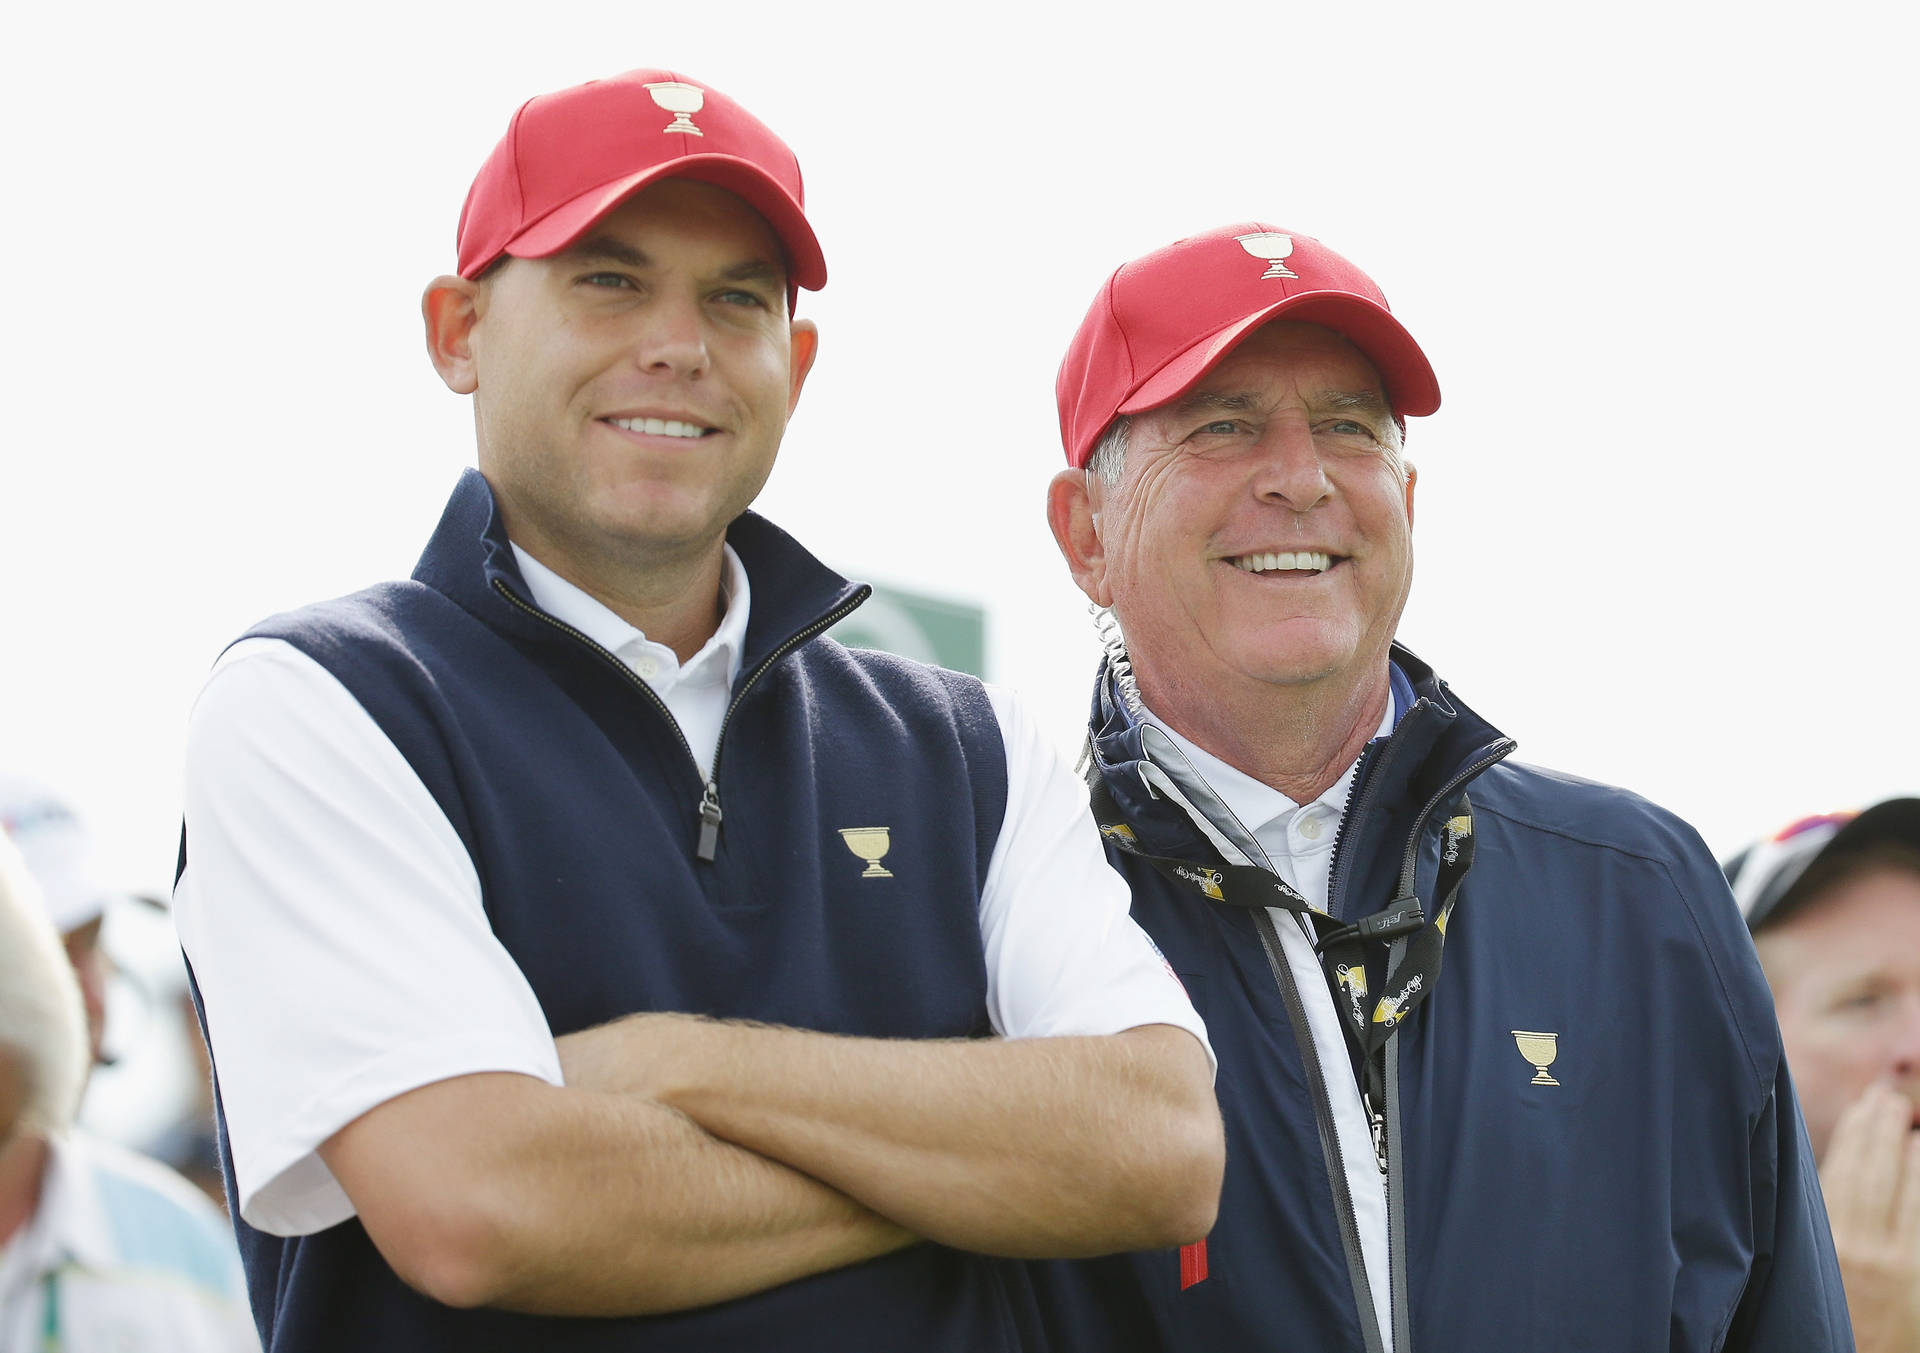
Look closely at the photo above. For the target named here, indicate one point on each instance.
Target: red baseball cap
(1163, 321)
(571, 157)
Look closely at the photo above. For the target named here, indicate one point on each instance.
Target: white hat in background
(57, 849)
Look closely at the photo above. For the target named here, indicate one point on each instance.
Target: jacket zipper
(1386, 1126)
(1336, 888)
(1290, 997)
(1329, 1134)
(1387, 1115)
(709, 805)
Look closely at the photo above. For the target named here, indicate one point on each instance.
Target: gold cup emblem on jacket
(1540, 1049)
(870, 844)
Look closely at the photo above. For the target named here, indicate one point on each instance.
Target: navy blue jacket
(579, 803)
(1661, 1196)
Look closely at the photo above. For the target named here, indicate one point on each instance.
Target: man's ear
(1412, 475)
(1076, 530)
(450, 307)
(805, 346)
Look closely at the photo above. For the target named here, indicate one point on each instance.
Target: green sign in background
(914, 625)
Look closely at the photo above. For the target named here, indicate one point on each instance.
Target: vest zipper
(710, 798)
(709, 806)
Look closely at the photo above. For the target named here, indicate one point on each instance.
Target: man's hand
(1032, 1147)
(1871, 1178)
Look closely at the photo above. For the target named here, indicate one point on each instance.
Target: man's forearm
(1025, 1147)
(568, 1202)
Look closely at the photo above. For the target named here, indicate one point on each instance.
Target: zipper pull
(710, 826)
(1379, 1122)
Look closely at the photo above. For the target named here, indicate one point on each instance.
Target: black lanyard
(1342, 947)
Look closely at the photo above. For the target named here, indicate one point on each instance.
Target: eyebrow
(1212, 400)
(605, 248)
(1370, 401)
(1367, 401)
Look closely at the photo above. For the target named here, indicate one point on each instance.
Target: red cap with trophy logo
(1163, 321)
(571, 157)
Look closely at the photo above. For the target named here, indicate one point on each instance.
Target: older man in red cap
(1580, 1133)
(595, 760)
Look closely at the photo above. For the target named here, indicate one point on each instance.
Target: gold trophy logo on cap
(683, 101)
(1272, 246)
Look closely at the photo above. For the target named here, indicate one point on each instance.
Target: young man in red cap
(1579, 1133)
(1834, 906)
(596, 760)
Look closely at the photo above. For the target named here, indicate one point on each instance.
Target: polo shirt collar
(578, 608)
(70, 1225)
(1254, 802)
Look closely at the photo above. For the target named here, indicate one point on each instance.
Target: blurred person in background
(100, 1248)
(150, 1087)
(1834, 906)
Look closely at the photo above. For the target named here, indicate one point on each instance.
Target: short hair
(1108, 459)
(41, 1017)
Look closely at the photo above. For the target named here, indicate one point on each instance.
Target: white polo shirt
(334, 921)
(121, 1254)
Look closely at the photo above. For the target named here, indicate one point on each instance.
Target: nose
(1288, 469)
(673, 340)
(1905, 1050)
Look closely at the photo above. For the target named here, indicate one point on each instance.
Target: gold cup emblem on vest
(870, 844)
(1540, 1049)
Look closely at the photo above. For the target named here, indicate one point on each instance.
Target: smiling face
(1260, 534)
(1845, 972)
(631, 392)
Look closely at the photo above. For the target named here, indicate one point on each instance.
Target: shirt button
(1311, 829)
(647, 666)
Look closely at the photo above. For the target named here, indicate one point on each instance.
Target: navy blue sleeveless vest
(580, 806)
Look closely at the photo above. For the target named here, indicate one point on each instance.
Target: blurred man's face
(1845, 972)
(90, 966)
(13, 1092)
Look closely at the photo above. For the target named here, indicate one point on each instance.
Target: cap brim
(1412, 388)
(1769, 894)
(567, 222)
(1890, 819)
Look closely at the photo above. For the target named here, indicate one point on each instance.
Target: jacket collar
(1437, 736)
(469, 560)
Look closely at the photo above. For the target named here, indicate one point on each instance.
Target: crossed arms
(361, 1009)
(689, 1161)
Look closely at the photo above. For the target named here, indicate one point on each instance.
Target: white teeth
(1289, 561)
(659, 427)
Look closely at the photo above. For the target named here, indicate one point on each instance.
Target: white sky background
(1661, 256)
